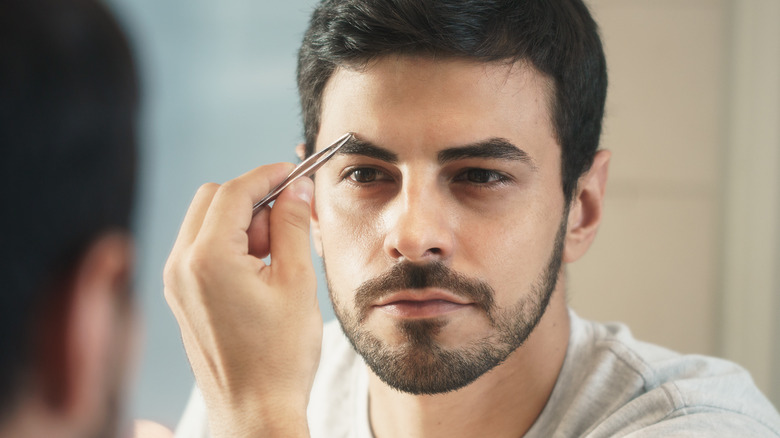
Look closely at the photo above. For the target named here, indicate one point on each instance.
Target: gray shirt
(611, 385)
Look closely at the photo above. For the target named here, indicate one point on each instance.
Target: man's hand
(252, 331)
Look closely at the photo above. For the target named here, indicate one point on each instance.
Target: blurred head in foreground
(68, 100)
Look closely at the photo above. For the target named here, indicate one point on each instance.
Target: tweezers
(306, 168)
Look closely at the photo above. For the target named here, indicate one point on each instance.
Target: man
(68, 104)
(444, 226)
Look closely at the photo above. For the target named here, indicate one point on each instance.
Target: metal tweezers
(306, 168)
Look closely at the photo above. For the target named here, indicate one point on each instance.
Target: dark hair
(557, 37)
(68, 101)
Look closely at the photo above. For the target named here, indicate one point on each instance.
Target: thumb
(289, 232)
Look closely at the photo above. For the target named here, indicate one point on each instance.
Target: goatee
(421, 365)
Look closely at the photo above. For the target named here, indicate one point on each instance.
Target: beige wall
(751, 251)
(660, 261)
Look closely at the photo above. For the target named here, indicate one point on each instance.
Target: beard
(421, 365)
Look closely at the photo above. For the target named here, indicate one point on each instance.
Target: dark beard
(421, 365)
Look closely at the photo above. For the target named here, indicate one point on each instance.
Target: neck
(504, 402)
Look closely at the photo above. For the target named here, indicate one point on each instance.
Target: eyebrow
(494, 148)
(355, 146)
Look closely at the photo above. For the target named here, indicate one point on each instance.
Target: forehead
(437, 101)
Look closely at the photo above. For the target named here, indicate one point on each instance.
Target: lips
(420, 296)
(414, 291)
(421, 303)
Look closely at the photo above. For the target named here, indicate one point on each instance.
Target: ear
(300, 151)
(587, 208)
(76, 383)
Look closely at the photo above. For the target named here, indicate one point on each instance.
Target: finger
(259, 238)
(290, 244)
(188, 233)
(193, 219)
(231, 209)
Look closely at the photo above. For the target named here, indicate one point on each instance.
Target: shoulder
(337, 359)
(340, 389)
(612, 384)
(335, 345)
(194, 420)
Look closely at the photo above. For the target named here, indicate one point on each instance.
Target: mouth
(420, 304)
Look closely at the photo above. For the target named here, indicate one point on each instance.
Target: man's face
(438, 225)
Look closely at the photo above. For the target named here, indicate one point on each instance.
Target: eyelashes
(365, 175)
(473, 176)
(480, 176)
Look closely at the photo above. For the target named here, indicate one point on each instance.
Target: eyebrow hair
(355, 146)
(495, 148)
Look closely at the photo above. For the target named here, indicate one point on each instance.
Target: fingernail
(304, 189)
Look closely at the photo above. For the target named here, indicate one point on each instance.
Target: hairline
(549, 85)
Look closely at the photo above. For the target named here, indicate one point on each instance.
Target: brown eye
(363, 175)
(481, 176)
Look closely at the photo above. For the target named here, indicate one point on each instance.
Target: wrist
(266, 419)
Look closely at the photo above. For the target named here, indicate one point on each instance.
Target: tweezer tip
(343, 139)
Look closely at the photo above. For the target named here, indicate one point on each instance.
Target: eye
(481, 176)
(365, 175)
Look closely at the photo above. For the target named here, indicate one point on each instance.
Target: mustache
(405, 276)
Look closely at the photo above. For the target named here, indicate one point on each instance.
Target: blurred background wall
(688, 250)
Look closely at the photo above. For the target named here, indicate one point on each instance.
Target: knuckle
(207, 189)
(295, 223)
(169, 272)
(297, 216)
(197, 261)
(187, 266)
(174, 281)
(170, 297)
(185, 274)
(231, 187)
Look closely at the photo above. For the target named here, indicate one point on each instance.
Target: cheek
(511, 253)
(350, 239)
(353, 231)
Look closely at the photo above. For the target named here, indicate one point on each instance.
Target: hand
(252, 331)
(150, 429)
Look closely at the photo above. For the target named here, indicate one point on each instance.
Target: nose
(419, 226)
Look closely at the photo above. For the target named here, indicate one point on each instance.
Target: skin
(252, 331)
(410, 206)
(75, 390)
